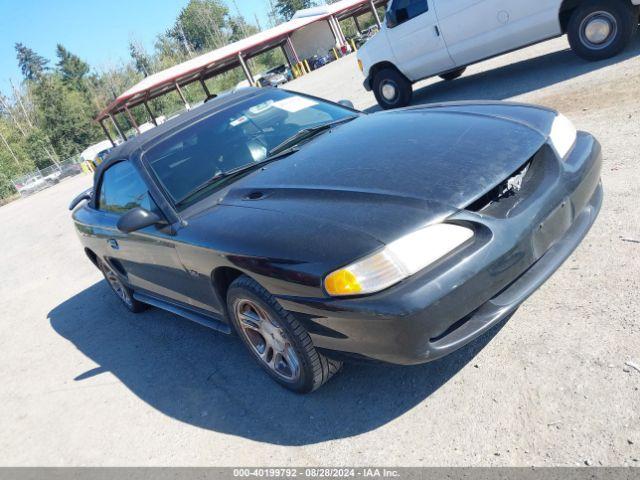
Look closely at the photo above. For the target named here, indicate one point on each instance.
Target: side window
(122, 189)
(407, 9)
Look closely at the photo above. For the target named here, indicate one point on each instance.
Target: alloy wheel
(268, 340)
(117, 286)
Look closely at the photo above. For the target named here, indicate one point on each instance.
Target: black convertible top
(133, 145)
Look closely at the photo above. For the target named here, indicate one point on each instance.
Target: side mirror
(86, 195)
(137, 219)
(347, 103)
(392, 20)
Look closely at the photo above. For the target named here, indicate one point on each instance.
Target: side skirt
(184, 312)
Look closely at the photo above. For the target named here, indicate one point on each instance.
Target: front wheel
(277, 341)
(392, 89)
(600, 29)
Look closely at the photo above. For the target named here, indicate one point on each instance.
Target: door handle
(113, 243)
(437, 30)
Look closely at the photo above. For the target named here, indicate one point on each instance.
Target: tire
(289, 356)
(452, 75)
(123, 292)
(392, 89)
(617, 19)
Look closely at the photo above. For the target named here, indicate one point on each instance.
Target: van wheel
(392, 89)
(275, 338)
(600, 29)
(452, 75)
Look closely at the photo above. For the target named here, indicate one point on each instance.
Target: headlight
(563, 135)
(398, 260)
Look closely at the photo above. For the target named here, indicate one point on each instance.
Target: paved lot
(86, 383)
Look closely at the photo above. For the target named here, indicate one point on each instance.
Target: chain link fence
(40, 179)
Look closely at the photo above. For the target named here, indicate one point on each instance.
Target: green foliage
(201, 25)
(71, 67)
(31, 64)
(287, 8)
(37, 146)
(240, 29)
(141, 59)
(67, 116)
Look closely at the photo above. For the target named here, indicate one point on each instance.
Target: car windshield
(199, 158)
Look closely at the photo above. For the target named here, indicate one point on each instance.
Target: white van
(423, 38)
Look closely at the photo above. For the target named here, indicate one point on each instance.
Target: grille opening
(452, 328)
(508, 188)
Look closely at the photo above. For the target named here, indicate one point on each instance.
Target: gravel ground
(86, 383)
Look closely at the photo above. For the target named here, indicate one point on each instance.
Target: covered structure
(289, 36)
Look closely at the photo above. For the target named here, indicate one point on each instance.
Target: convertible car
(319, 234)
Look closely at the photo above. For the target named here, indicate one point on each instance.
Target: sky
(98, 31)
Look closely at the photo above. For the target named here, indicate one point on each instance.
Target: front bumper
(449, 304)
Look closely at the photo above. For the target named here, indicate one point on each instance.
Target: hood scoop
(255, 195)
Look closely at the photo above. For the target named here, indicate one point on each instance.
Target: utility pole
(6, 144)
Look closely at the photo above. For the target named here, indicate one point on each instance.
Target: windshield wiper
(236, 171)
(307, 133)
(289, 146)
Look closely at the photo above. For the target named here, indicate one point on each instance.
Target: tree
(287, 8)
(201, 25)
(65, 115)
(272, 14)
(240, 29)
(140, 58)
(72, 68)
(31, 64)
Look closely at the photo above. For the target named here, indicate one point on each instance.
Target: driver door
(146, 258)
(415, 38)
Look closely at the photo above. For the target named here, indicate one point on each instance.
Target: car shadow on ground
(206, 379)
(516, 78)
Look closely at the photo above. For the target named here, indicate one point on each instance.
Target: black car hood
(388, 173)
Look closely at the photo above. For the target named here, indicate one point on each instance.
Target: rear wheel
(276, 339)
(124, 293)
(392, 89)
(452, 75)
(600, 29)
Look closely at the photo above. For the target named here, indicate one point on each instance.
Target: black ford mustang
(318, 233)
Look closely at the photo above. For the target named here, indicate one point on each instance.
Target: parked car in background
(425, 38)
(54, 176)
(281, 70)
(32, 185)
(320, 234)
(265, 80)
(69, 170)
(319, 61)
